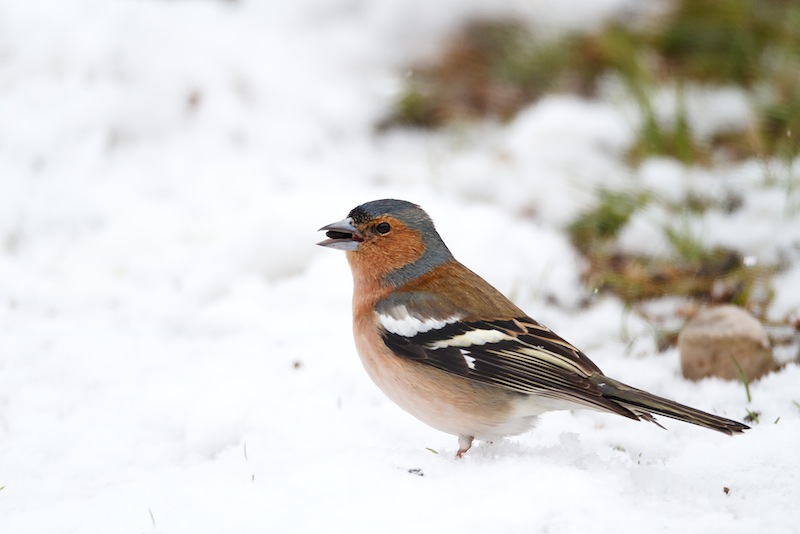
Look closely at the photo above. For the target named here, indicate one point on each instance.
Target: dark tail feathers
(645, 404)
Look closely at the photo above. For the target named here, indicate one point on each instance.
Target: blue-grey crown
(387, 206)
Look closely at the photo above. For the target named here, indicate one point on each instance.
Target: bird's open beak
(342, 235)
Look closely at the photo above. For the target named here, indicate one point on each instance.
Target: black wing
(519, 354)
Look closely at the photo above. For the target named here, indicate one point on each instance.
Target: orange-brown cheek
(383, 255)
(401, 249)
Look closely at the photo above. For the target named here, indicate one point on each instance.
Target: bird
(450, 349)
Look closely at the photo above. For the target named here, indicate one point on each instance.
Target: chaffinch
(451, 350)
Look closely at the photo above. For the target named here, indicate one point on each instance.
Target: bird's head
(393, 239)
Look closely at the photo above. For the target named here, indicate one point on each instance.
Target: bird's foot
(464, 444)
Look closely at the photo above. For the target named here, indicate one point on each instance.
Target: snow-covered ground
(176, 354)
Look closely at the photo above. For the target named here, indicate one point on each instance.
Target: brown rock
(717, 336)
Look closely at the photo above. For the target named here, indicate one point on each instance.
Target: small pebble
(717, 336)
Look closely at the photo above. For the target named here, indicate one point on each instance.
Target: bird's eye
(383, 228)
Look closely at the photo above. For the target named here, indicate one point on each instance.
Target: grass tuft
(595, 230)
(743, 378)
(714, 275)
(494, 68)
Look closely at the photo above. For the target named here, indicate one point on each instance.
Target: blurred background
(166, 322)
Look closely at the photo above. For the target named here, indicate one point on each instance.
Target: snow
(176, 354)
(708, 110)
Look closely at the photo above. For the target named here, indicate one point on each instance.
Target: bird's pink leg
(464, 444)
